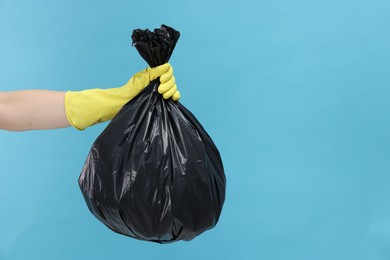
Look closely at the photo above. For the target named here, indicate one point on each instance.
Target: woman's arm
(32, 110)
(43, 109)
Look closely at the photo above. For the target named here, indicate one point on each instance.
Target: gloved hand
(89, 107)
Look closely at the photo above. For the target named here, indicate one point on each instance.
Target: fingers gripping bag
(154, 173)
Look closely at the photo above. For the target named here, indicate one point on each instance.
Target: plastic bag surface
(154, 173)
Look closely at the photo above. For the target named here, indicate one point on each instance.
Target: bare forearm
(32, 110)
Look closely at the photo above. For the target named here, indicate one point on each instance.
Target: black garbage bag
(154, 173)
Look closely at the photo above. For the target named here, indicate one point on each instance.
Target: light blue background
(294, 93)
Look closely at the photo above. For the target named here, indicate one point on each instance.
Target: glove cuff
(69, 110)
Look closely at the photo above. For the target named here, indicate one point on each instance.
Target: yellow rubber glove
(92, 106)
